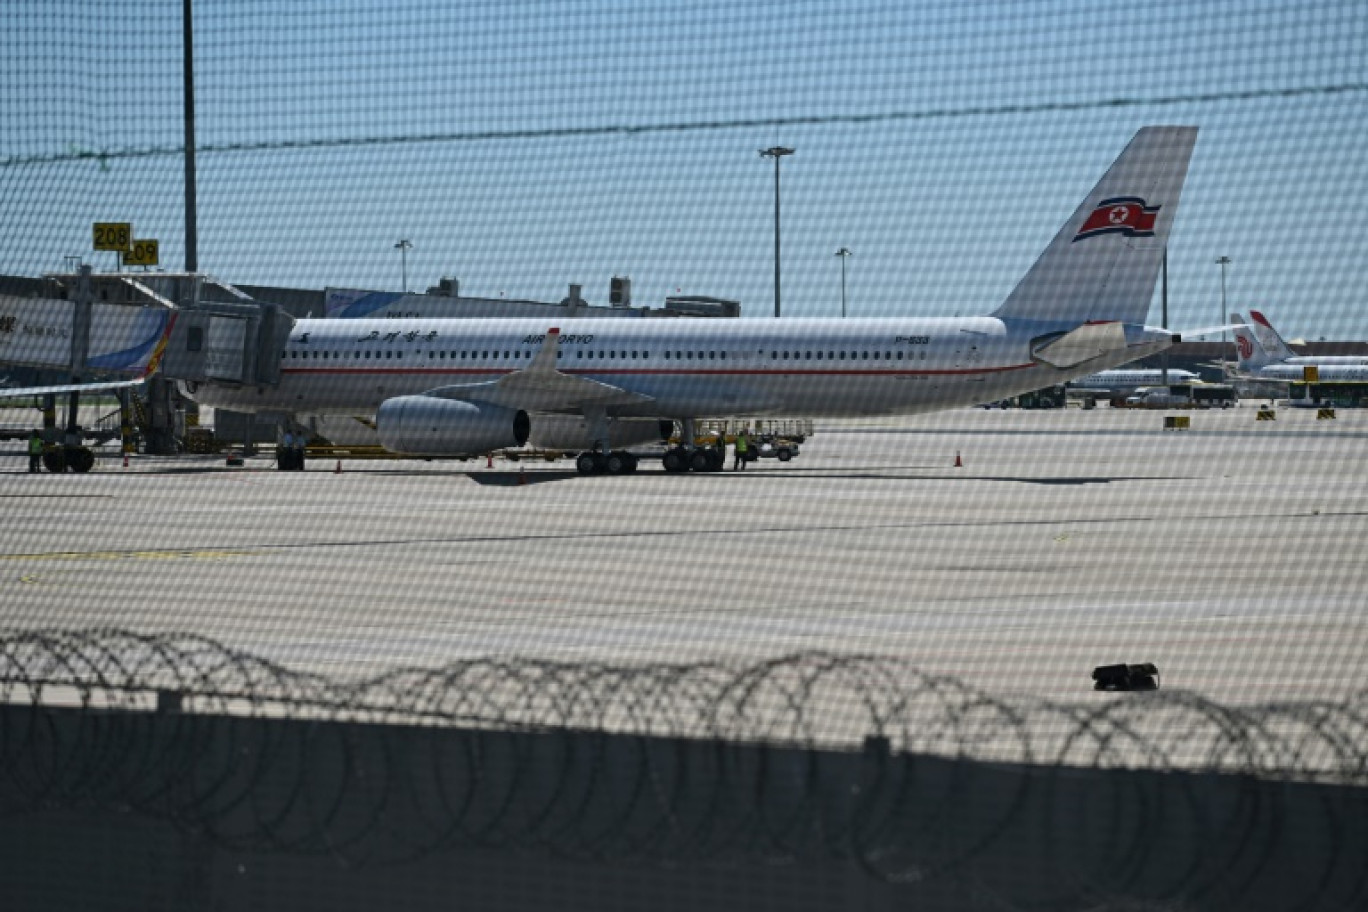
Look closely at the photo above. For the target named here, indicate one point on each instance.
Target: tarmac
(1233, 555)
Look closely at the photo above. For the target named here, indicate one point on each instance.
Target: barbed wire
(809, 756)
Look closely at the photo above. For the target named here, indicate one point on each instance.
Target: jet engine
(429, 426)
(571, 432)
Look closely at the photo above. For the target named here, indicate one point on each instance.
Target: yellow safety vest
(35, 446)
(741, 444)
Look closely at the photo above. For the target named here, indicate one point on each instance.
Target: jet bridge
(91, 327)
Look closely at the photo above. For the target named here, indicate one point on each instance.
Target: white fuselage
(683, 367)
(1287, 372)
(1128, 380)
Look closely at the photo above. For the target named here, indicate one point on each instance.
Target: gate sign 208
(114, 236)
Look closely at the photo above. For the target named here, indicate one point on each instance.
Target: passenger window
(900, 356)
(579, 354)
(389, 354)
(809, 356)
(722, 355)
(819, 356)
(368, 355)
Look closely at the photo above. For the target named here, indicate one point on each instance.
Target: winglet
(545, 359)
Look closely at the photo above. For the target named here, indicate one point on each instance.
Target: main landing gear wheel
(617, 462)
(621, 464)
(675, 460)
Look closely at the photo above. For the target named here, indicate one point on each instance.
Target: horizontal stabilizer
(1089, 341)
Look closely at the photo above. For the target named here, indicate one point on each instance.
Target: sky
(525, 146)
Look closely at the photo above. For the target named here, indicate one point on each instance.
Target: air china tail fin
(1102, 265)
(1269, 338)
(1249, 353)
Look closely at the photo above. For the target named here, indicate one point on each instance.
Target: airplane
(1261, 354)
(1271, 341)
(1124, 381)
(441, 388)
(458, 387)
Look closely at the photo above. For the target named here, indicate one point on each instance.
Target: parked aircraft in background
(1124, 381)
(1278, 351)
(1255, 360)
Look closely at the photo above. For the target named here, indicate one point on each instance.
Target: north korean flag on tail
(1126, 215)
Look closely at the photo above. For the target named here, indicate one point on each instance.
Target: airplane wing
(540, 387)
(24, 391)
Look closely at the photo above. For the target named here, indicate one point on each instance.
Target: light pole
(843, 253)
(1223, 261)
(403, 248)
(776, 153)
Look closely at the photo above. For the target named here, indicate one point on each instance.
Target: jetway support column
(126, 421)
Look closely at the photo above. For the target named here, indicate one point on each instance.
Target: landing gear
(615, 463)
(676, 460)
(587, 463)
(699, 459)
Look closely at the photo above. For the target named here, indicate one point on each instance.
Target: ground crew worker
(285, 459)
(742, 450)
(721, 447)
(35, 450)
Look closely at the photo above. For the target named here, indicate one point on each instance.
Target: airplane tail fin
(1249, 353)
(1269, 339)
(1103, 264)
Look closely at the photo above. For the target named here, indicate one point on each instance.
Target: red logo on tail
(1244, 345)
(1126, 215)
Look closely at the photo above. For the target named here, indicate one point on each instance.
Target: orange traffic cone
(125, 459)
(489, 462)
(337, 469)
(959, 463)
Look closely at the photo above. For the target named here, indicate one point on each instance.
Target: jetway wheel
(58, 459)
(81, 460)
(54, 460)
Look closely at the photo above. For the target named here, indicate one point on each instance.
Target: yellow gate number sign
(142, 253)
(114, 236)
